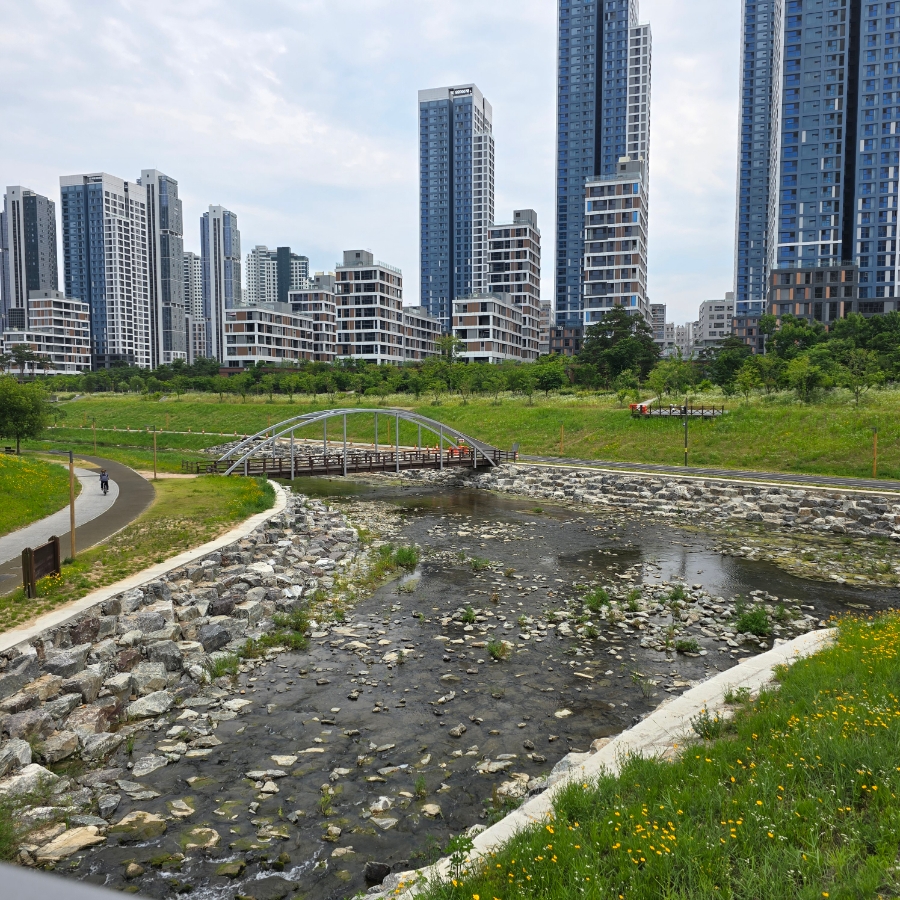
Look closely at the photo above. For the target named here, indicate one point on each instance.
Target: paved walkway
(89, 504)
(870, 484)
(133, 495)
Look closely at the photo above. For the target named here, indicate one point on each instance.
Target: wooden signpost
(39, 562)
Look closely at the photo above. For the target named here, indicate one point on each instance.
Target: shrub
(407, 557)
(596, 600)
(707, 726)
(469, 616)
(753, 621)
(687, 645)
(479, 564)
(498, 650)
(223, 665)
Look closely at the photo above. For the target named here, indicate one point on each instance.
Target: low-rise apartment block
(268, 333)
(491, 328)
(319, 304)
(819, 294)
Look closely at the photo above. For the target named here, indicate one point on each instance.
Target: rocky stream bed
(421, 708)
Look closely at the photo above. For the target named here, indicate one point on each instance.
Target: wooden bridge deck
(358, 462)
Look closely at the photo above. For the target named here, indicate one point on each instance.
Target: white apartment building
(615, 245)
(220, 255)
(194, 322)
(370, 309)
(104, 224)
(491, 328)
(273, 274)
(421, 331)
(515, 271)
(546, 324)
(270, 333)
(318, 303)
(658, 321)
(686, 338)
(716, 320)
(58, 331)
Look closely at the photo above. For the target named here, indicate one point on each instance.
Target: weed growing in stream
(421, 788)
(753, 620)
(498, 650)
(407, 557)
(687, 645)
(219, 666)
(596, 600)
(479, 564)
(469, 616)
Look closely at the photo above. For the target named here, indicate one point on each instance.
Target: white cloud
(300, 115)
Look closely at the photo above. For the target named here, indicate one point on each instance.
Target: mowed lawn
(30, 490)
(774, 433)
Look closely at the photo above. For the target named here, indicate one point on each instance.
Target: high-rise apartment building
(456, 203)
(760, 89)
(834, 118)
(658, 321)
(220, 254)
(194, 320)
(603, 115)
(615, 245)
(165, 264)
(28, 252)
(273, 274)
(515, 270)
(105, 231)
(369, 308)
(318, 302)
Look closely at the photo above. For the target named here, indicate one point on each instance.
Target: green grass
(773, 433)
(185, 514)
(798, 800)
(31, 489)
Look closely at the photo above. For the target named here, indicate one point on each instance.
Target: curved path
(870, 484)
(133, 494)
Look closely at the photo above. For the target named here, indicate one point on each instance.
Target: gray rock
(86, 683)
(107, 804)
(88, 720)
(120, 685)
(376, 872)
(62, 706)
(28, 780)
(144, 622)
(213, 637)
(167, 653)
(67, 663)
(152, 705)
(20, 672)
(149, 677)
(14, 755)
(99, 746)
(59, 746)
(35, 723)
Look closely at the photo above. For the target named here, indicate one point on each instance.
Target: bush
(479, 564)
(407, 557)
(687, 645)
(469, 616)
(223, 665)
(707, 726)
(596, 600)
(498, 650)
(753, 621)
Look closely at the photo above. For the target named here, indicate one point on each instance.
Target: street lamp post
(94, 427)
(71, 498)
(685, 437)
(154, 449)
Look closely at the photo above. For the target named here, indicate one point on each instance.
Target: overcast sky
(301, 116)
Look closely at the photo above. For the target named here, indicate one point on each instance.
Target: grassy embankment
(185, 514)
(796, 799)
(31, 489)
(769, 434)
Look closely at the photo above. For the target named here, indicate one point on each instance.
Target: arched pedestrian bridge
(281, 452)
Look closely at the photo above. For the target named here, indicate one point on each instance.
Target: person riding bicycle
(104, 480)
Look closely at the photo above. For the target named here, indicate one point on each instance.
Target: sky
(301, 117)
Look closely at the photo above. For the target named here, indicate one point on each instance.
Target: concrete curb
(659, 735)
(60, 617)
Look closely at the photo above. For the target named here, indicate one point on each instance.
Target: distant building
(686, 338)
(273, 274)
(58, 331)
(819, 294)
(658, 321)
(27, 252)
(456, 195)
(615, 242)
(716, 318)
(546, 324)
(491, 328)
(745, 324)
(668, 344)
(268, 333)
(105, 243)
(421, 331)
(194, 320)
(566, 340)
(515, 271)
(220, 253)
(370, 303)
(318, 303)
(165, 268)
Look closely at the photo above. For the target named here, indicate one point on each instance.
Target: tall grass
(31, 489)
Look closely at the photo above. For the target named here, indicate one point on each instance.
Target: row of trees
(618, 354)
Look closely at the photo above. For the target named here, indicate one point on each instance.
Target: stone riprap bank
(80, 690)
(838, 512)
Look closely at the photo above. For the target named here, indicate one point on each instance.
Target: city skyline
(338, 167)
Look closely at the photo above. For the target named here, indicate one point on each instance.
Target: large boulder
(99, 746)
(167, 653)
(88, 720)
(138, 827)
(86, 683)
(149, 677)
(71, 841)
(213, 637)
(62, 706)
(35, 723)
(66, 663)
(19, 673)
(59, 746)
(14, 755)
(29, 779)
(151, 705)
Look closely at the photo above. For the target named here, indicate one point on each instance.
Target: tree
(291, 384)
(268, 384)
(795, 336)
(549, 374)
(619, 341)
(136, 384)
(180, 384)
(491, 381)
(805, 377)
(860, 371)
(450, 346)
(723, 362)
(671, 376)
(22, 354)
(24, 410)
(626, 384)
(242, 384)
(523, 380)
(221, 384)
(747, 380)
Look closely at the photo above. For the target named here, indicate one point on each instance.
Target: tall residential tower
(220, 253)
(603, 113)
(28, 242)
(104, 224)
(456, 207)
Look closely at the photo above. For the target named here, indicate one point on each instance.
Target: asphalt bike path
(134, 494)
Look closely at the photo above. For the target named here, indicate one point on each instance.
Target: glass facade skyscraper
(760, 52)
(456, 203)
(603, 112)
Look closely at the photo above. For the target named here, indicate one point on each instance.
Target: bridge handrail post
(345, 445)
(441, 448)
(398, 444)
(293, 465)
(376, 432)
